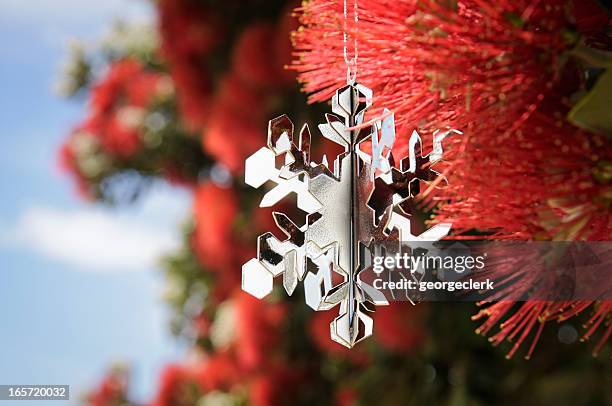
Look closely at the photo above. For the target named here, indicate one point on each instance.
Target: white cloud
(55, 23)
(73, 11)
(96, 239)
(90, 239)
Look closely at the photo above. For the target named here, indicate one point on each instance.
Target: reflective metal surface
(349, 206)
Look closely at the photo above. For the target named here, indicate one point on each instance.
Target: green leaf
(594, 111)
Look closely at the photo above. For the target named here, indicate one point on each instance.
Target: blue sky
(79, 288)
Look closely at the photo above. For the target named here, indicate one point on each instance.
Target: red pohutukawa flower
(220, 245)
(180, 385)
(118, 105)
(435, 66)
(214, 241)
(111, 391)
(219, 372)
(234, 128)
(484, 69)
(400, 327)
(246, 96)
(113, 128)
(499, 72)
(517, 321)
(68, 162)
(269, 386)
(252, 63)
(189, 33)
(258, 330)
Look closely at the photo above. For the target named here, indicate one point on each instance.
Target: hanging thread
(351, 63)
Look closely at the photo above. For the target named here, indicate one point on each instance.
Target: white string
(351, 64)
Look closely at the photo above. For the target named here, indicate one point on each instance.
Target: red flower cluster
(68, 163)
(215, 239)
(257, 329)
(494, 72)
(215, 210)
(111, 391)
(113, 127)
(251, 360)
(117, 106)
(186, 384)
(499, 73)
(400, 327)
(179, 386)
(219, 240)
(236, 126)
(234, 112)
(538, 182)
(247, 94)
(190, 33)
(518, 321)
(271, 386)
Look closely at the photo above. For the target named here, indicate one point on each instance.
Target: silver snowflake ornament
(351, 205)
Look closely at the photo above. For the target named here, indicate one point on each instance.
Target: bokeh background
(125, 220)
(78, 286)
